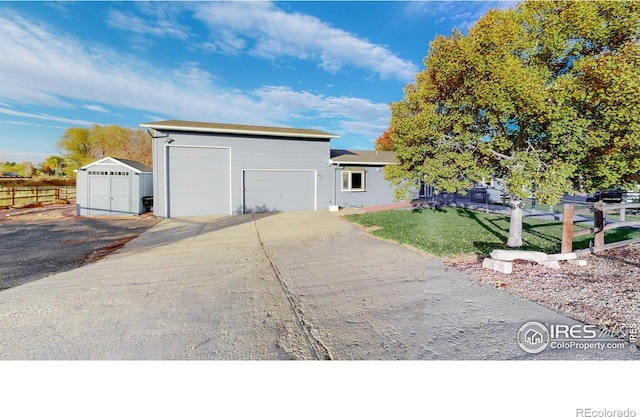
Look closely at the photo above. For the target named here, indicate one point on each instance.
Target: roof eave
(239, 131)
(84, 168)
(333, 161)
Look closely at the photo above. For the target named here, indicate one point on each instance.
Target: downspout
(165, 178)
(335, 186)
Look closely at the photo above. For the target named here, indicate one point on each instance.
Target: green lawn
(454, 231)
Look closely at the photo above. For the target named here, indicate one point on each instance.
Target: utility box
(113, 187)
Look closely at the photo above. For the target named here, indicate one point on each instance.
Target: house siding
(378, 190)
(248, 153)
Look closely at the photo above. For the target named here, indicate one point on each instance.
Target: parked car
(614, 195)
(608, 196)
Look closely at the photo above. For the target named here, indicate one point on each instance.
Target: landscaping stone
(551, 264)
(505, 267)
(562, 256)
(512, 255)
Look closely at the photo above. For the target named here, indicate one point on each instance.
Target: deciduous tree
(384, 142)
(81, 146)
(534, 95)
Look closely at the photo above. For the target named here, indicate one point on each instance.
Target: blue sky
(333, 66)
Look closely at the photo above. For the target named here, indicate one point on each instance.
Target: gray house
(112, 187)
(359, 177)
(213, 168)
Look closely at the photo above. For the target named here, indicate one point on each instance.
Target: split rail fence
(22, 196)
(599, 211)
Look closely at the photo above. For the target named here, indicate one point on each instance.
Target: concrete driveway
(304, 285)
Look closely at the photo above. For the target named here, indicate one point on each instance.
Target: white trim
(315, 182)
(108, 158)
(166, 176)
(239, 131)
(357, 190)
(338, 163)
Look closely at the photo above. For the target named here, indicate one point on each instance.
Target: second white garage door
(279, 190)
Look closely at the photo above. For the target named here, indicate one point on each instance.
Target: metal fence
(22, 196)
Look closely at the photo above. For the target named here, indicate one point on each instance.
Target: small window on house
(354, 180)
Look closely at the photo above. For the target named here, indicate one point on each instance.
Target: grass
(455, 231)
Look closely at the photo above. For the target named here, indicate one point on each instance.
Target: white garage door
(198, 181)
(279, 190)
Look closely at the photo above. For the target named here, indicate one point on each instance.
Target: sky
(329, 65)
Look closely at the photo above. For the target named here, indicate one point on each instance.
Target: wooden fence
(22, 196)
(599, 210)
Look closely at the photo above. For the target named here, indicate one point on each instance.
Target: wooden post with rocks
(567, 229)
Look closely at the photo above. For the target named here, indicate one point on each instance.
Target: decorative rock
(511, 255)
(578, 262)
(551, 264)
(562, 256)
(498, 265)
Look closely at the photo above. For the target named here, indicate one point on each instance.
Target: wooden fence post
(13, 196)
(598, 225)
(567, 229)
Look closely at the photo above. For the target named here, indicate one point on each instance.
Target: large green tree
(76, 147)
(537, 96)
(81, 146)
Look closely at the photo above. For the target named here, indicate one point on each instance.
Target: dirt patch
(38, 212)
(100, 253)
(36, 244)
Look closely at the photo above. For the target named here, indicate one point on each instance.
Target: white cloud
(462, 14)
(369, 130)
(95, 107)
(354, 115)
(21, 123)
(269, 32)
(157, 23)
(36, 69)
(43, 116)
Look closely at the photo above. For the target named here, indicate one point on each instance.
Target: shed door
(99, 201)
(198, 181)
(279, 190)
(109, 192)
(120, 194)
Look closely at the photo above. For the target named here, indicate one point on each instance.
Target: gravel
(40, 242)
(606, 292)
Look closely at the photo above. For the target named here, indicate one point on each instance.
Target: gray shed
(113, 187)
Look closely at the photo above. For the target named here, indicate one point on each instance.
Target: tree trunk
(515, 225)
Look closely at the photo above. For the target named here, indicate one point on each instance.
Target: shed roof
(188, 126)
(358, 157)
(135, 165)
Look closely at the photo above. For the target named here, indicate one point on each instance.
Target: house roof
(187, 126)
(358, 157)
(135, 165)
